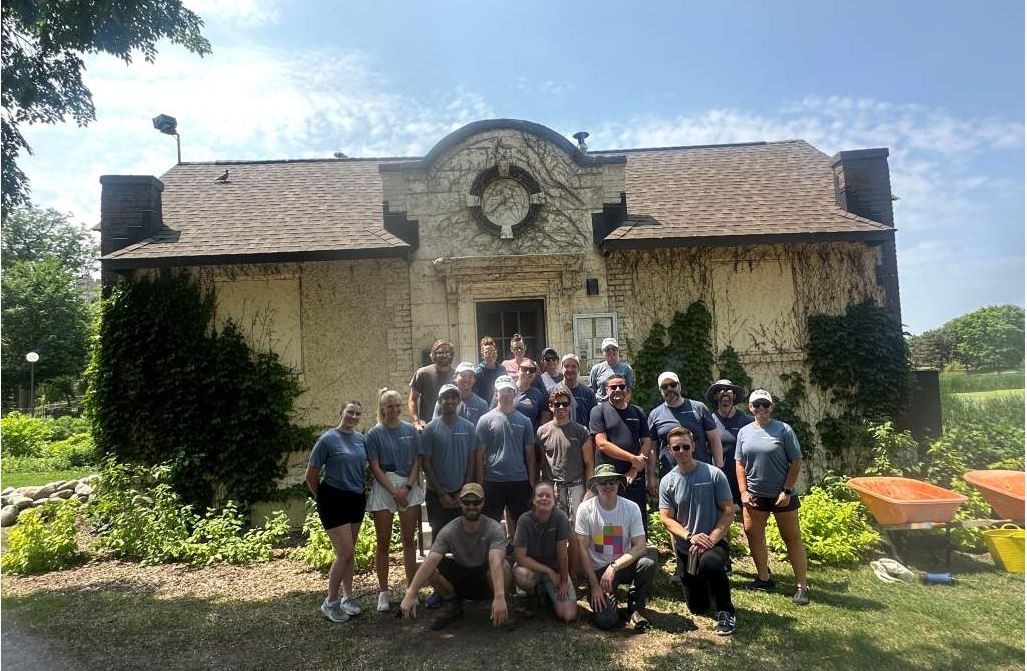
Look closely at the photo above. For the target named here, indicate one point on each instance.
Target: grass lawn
(985, 395)
(41, 477)
(115, 615)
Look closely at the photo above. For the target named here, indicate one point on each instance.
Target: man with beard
(677, 410)
(488, 370)
(472, 406)
(722, 396)
(622, 438)
(477, 569)
(583, 399)
(425, 385)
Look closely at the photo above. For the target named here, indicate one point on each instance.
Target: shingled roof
(332, 208)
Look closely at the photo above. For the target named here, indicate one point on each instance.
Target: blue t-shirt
(470, 408)
(694, 497)
(448, 447)
(485, 382)
(624, 428)
(602, 371)
(582, 403)
(395, 449)
(766, 453)
(343, 457)
(505, 438)
(692, 415)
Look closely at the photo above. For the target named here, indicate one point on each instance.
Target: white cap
(758, 394)
(446, 388)
(570, 357)
(609, 342)
(667, 375)
(464, 367)
(505, 382)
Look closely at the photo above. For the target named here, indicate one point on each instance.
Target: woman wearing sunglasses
(768, 462)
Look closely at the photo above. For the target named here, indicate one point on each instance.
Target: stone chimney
(130, 210)
(862, 184)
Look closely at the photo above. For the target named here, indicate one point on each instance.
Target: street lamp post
(32, 358)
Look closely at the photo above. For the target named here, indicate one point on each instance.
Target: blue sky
(939, 83)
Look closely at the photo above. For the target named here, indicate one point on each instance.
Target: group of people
(570, 466)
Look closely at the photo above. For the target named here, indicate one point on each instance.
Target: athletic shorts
(766, 504)
(337, 506)
(472, 582)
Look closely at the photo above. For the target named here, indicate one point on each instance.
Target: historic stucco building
(351, 268)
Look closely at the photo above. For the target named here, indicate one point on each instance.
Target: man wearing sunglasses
(477, 570)
(568, 455)
(696, 506)
(612, 365)
(623, 441)
(529, 399)
(425, 385)
(583, 399)
(676, 410)
(551, 375)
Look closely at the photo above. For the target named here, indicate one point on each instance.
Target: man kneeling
(477, 569)
(696, 506)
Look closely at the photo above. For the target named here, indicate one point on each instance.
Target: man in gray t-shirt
(697, 508)
(506, 455)
(477, 570)
(603, 370)
(426, 382)
(447, 458)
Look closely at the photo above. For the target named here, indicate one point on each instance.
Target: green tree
(43, 311)
(42, 46)
(933, 349)
(31, 234)
(990, 338)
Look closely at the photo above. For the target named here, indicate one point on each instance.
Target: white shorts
(381, 499)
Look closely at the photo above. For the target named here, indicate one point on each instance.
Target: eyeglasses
(761, 404)
(615, 387)
(680, 448)
(516, 349)
(529, 370)
(551, 358)
(471, 503)
(560, 404)
(444, 352)
(669, 385)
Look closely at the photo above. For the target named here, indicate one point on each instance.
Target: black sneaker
(762, 585)
(450, 613)
(639, 622)
(725, 623)
(801, 597)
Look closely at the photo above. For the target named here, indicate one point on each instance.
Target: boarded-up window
(754, 306)
(268, 313)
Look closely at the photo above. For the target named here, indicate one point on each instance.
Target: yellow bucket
(1006, 544)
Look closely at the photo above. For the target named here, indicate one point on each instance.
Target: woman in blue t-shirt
(392, 449)
(341, 454)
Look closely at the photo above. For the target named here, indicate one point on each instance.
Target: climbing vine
(730, 368)
(685, 347)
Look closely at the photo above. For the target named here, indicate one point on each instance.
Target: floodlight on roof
(169, 126)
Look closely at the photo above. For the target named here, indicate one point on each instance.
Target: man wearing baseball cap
(602, 371)
(676, 410)
(477, 570)
(583, 399)
(472, 406)
(447, 458)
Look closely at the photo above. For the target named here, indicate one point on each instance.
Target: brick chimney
(130, 210)
(862, 184)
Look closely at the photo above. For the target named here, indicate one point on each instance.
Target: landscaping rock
(70, 484)
(7, 491)
(5, 501)
(27, 491)
(44, 492)
(20, 502)
(83, 489)
(89, 478)
(58, 484)
(9, 515)
(40, 502)
(63, 494)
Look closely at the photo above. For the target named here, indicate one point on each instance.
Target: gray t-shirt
(470, 408)
(343, 457)
(561, 446)
(602, 371)
(395, 449)
(540, 538)
(766, 454)
(692, 415)
(505, 439)
(448, 447)
(427, 381)
(470, 549)
(694, 497)
(728, 428)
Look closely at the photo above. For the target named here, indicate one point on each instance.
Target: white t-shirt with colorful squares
(609, 532)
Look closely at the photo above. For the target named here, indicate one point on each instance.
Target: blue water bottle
(937, 579)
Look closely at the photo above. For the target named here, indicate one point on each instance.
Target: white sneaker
(334, 611)
(350, 605)
(383, 602)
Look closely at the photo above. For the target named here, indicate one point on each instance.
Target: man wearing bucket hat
(612, 365)
(472, 406)
(612, 550)
(723, 396)
(477, 569)
(676, 410)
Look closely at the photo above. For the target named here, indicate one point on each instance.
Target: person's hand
(747, 500)
(562, 584)
(401, 497)
(448, 500)
(606, 582)
(638, 462)
(632, 474)
(408, 606)
(418, 424)
(654, 486)
(498, 610)
(718, 462)
(702, 541)
(782, 500)
(598, 598)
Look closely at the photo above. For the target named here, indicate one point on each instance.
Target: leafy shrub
(894, 453)
(43, 540)
(955, 383)
(970, 447)
(318, 553)
(834, 532)
(223, 537)
(658, 534)
(68, 425)
(72, 452)
(23, 435)
(13, 465)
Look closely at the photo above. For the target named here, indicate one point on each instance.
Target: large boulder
(62, 494)
(9, 516)
(28, 491)
(7, 490)
(83, 489)
(70, 484)
(20, 502)
(45, 491)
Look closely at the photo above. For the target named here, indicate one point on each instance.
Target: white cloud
(245, 12)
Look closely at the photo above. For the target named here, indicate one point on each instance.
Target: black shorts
(337, 506)
(468, 582)
(438, 515)
(515, 496)
(766, 504)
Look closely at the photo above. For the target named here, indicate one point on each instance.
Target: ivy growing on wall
(786, 409)
(685, 347)
(166, 386)
(730, 368)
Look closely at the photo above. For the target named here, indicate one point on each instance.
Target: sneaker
(434, 601)
(762, 585)
(801, 597)
(334, 611)
(350, 605)
(725, 623)
(453, 611)
(639, 622)
(383, 602)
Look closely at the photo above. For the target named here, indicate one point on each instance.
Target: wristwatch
(789, 491)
